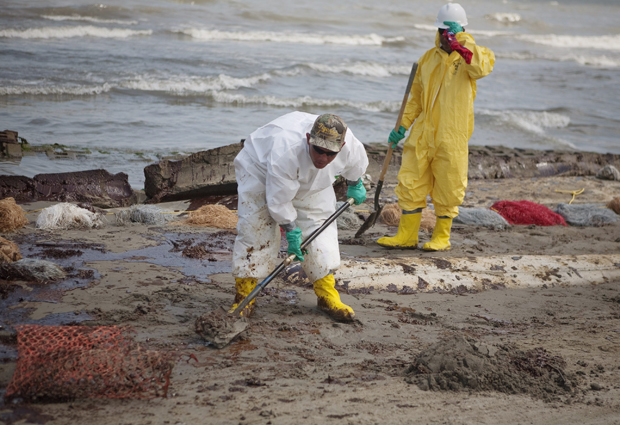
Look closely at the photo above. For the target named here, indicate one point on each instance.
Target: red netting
(57, 363)
(527, 212)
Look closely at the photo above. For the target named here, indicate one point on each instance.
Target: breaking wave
(504, 17)
(531, 121)
(611, 42)
(595, 61)
(38, 90)
(304, 101)
(299, 38)
(68, 32)
(193, 85)
(89, 19)
(425, 27)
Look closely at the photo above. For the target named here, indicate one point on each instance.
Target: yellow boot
(440, 241)
(328, 300)
(244, 285)
(407, 235)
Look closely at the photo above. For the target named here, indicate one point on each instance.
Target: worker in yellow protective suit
(441, 109)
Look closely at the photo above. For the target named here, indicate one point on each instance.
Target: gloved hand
(455, 28)
(294, 243)
(454, 45)
(357, 192)
(396, 136)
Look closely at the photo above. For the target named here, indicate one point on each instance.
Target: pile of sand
(458, 364)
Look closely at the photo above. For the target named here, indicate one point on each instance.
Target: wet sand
(295, 365)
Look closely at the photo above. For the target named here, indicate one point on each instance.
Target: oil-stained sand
(555, 350)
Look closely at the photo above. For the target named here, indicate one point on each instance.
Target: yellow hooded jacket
(441, 102)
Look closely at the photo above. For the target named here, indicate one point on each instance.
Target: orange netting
(527, 212)
(58, 363)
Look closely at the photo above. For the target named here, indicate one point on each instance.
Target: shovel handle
(288, 260)
(388, 156)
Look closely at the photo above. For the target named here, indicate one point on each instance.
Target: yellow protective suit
(441, 102)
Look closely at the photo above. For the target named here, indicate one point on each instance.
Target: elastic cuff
(289, 227)
(416, 211)
(354, 182)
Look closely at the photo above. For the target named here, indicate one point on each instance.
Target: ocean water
(135, 80)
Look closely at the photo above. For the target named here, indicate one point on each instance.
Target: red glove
(454, 45)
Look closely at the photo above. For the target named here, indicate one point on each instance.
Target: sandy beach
(295, 365)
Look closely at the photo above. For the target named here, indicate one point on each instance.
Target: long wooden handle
(388, 156)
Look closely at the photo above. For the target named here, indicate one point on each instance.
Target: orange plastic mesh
(58, 363)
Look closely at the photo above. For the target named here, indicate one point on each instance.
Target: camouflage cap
(328, 132)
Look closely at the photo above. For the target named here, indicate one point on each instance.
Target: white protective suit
(278, 184)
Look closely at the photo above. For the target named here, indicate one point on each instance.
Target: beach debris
(61, 363)
(390, 214)
(146, 214)
(213, 216)
(11, 144)
(460, 364)
(348, 220)
(527, 212)
(614, 205)
(200, 174)
(481, 217)
(608, 172)
(218, 327)
(586, 214)
(65, 216)
(12, 216)
(428, 220)
(31, 269)
(97, 187)
(9, 251)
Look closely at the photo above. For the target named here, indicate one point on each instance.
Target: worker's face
(318, 156)
(443, 43)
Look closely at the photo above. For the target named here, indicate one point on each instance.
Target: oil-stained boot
(440, 241)
(407, 235)
(244, 285)
(328, 300)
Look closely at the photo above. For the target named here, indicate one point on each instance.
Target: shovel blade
(370, 221)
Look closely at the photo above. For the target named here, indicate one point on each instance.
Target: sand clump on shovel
(219, 327)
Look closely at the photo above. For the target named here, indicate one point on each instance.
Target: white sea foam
(43, 90)
(288, 37)
(504, 17)
(304, 101)
(184, 85)
(425, 27)
(595, 61)
(68, 32)
(611, 42)
(369, 69)
(531, 121)
(89, 19)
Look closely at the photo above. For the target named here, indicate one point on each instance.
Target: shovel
(220, 327)
(372, 218)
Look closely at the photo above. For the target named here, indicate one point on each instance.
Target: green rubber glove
(294, 243)
(455, 28)
(357, 192)
(396, 136)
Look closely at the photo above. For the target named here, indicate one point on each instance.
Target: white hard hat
(451, 12)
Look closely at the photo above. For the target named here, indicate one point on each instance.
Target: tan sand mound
(459, 364)
(12, 216)
(213, 216)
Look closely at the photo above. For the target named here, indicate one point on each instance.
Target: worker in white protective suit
(285, 173)
(441, 109)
